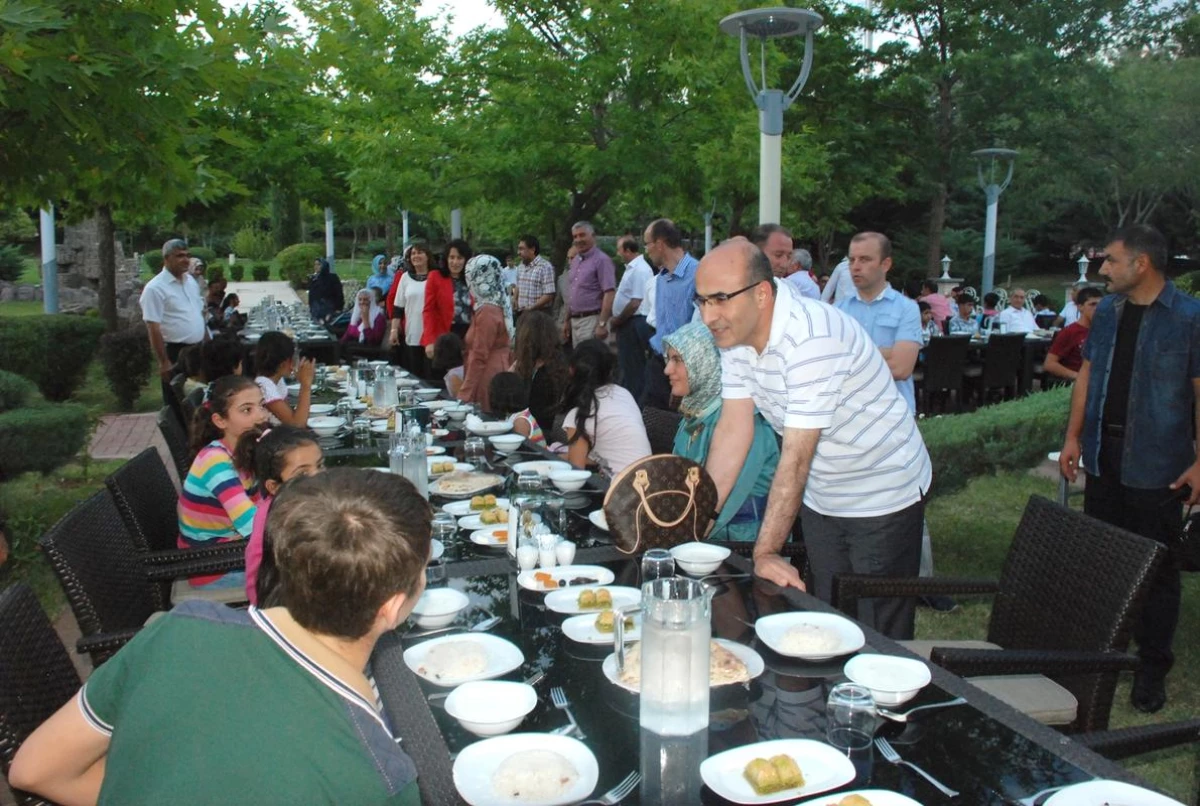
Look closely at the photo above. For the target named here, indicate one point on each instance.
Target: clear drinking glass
(444, 528)
(850, 715)
(474, 450)
(657, 564)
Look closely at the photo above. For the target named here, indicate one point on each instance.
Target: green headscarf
(694, 343)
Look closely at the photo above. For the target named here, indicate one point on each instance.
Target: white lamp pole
(329, 236)
(49, 260)
(992, 190)
(1082, 263)
(770, 23)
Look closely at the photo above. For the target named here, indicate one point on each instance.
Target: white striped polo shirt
(820, 370)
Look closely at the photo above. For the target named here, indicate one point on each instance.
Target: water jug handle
(619, 638)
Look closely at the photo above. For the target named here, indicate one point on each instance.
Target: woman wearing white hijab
(367, 323)
(490, 334)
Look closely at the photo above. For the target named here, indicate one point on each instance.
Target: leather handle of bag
(641, 483)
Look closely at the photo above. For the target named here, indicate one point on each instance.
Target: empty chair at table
(1001, 367)
(1060, 621)
(944, 371)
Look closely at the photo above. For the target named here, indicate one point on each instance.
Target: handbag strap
(641, 483)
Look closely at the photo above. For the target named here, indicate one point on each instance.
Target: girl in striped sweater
(218, 498)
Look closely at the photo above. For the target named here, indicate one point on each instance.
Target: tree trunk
(107, 254)
(937, 223)
(390, 230)
(944, 134)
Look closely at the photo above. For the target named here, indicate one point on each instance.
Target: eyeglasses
(720, 298)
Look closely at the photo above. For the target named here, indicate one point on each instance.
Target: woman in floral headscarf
(491, 330)
(694, 372)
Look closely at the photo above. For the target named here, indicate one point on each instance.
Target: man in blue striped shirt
(674, 286)
(853, 462)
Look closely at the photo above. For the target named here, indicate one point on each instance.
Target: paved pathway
(251, 294)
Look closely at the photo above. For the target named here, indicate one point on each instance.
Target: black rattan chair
(1141, 739)
(945, 362)
(36, 675)
(1064, 606)
(175, 436)
(1001, 366)
(661, 426)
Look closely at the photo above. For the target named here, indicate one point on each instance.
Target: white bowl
(319, 409)
(457, 413)
(437, 607)
(491, 707)
(506, 442)
(487, 428)
(569, 480)
(427, 394)
(892, 680)
(699, 559)
(326, 426)
(543, 467)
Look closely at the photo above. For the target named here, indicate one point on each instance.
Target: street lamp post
(1082, 263)
(992, 191)
(771, 23)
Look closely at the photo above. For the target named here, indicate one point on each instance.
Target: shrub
(1007, 436)
(15, 391)
(237, 272)
(204, 253)
(40, 438)
(261, 272)
(253, 243)
(296, 262)
(127, 363)
(152, 261)
(377, 247)
(52, 351)
(12, 263)
(214, 271)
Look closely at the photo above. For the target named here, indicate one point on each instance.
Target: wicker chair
(1141, 739)
(176, 438)
(36, 675)
(1063, 608)
(945, 362)
(1001, 366)
(661, 426)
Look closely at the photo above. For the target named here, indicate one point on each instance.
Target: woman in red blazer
(447, 299)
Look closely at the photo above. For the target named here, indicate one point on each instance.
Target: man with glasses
(852, 454)
(671, 307)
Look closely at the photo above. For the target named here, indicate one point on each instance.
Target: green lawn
(971, 532)
(16, 309)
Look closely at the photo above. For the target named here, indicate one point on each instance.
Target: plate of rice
(529, 769)
(454, 659)
(810, 636)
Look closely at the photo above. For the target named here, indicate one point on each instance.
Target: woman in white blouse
(406, 306)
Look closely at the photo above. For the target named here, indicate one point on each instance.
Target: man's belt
(585, 313)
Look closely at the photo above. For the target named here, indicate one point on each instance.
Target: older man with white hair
(799, 274)
(173, 310)
(593, 287)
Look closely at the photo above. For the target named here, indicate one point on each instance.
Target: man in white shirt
(852, 454)
(1016, 318)
(840, 285)
(629, 321)
(1069, 315)
(173, 310)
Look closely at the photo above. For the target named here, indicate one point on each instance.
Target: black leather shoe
(1149, 693)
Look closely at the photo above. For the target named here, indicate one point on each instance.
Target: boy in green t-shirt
(215, 705)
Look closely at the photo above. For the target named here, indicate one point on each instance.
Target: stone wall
(79, 300)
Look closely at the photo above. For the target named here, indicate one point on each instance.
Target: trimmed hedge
(208, 256)
(127, 363)
(261, 272)
(52, 351)
(41, 438)
(15, 391)
(1015, 435)
(296, 262)
(237, 272)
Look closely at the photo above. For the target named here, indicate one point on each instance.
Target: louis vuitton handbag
(660, 502)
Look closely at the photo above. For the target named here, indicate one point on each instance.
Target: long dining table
(989, 752)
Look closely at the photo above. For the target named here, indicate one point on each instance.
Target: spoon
(482, 626)
(902, 716)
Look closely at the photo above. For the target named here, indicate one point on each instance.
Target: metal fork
(890, 755)
(1036, 798)
(559, 698)
(902, 716)
(618, 793)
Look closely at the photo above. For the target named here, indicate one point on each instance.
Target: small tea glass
(444, 528)
(474, 450)
(527, 553)
(657, 564)
(850, 725)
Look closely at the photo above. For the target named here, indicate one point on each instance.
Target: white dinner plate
(438, 433)
(432, 460)
(598, 520)
(407, 383)
(753, 660)
(502, 657)
(562, 572)
(478, 762)
(542, 467)
(877, 797)
(487, 537)
(1094, 793)
(566, 600)
(473, 523)
(434, 450)
(355, 403)
(486, 481)
(381, 427)
(436, 549)
(377, 363)
(583, 629)
(461, 509)
(822, 766)
(772, 629)
(436, 405)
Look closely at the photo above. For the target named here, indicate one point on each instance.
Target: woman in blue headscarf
(325, 297)
(381, 275)
(694, 372)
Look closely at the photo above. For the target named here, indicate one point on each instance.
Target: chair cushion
(1034, 695)
(182, 591)
(973, 372)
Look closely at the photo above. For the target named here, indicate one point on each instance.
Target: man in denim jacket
(1132, 420)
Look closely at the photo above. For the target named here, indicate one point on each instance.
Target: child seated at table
(510, 399)
(448, 361)
(928, 326)
(282, 454)
(274, 360)
(153, 724)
